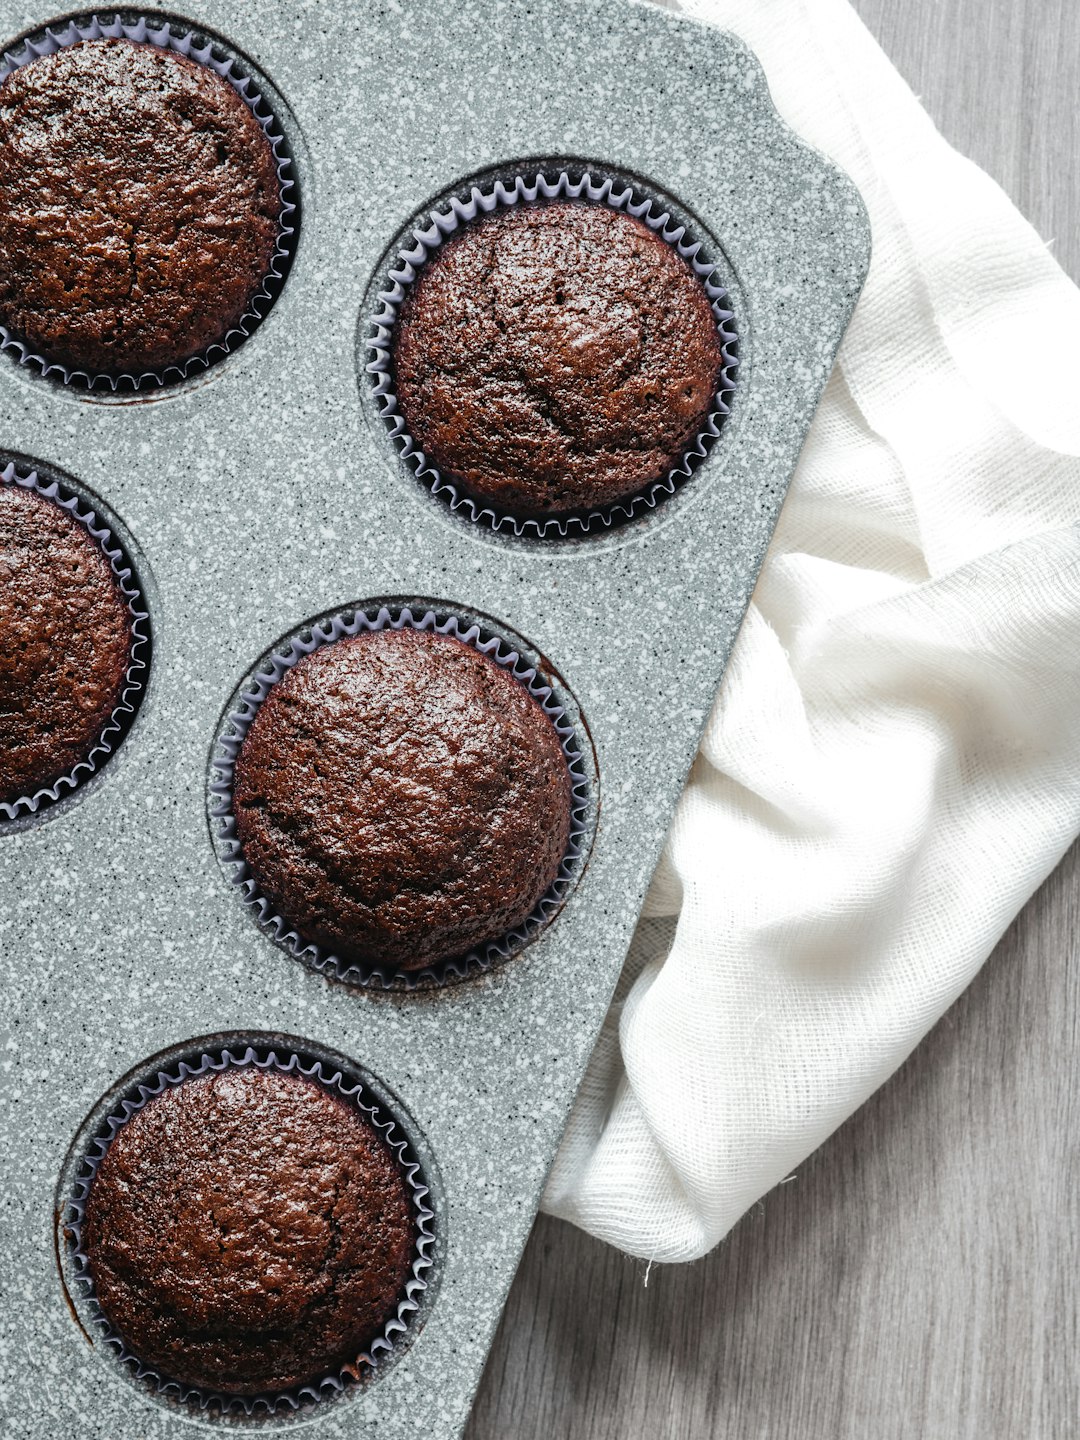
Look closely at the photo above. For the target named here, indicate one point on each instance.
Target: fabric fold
(893, 763)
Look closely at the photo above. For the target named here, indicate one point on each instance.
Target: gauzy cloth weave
(893, 763)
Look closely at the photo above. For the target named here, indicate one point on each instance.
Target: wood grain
(918, 1279)
(1002, 80)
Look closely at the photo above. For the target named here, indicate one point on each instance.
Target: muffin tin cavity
(269, 491)
(532, 183)
(340, 1077)
(106, 532)
(176, 37)
(491, 639)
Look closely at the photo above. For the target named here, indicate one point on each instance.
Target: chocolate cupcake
(556, 357)
(248, 1231)
(65, 642)
(400, 799)
(139, 207)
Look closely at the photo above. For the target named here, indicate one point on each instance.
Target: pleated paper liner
(326, 631)
(501, 194)
(119, 722)
(335, 1082)
(145, 31)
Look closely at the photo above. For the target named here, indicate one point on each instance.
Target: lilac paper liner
(327, 631)
(166, 39)
(120, 720)
(619, 195)
(333, 1081)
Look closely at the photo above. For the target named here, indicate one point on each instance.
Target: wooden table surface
(918, 1280)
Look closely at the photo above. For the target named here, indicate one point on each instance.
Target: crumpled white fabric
(893, 763)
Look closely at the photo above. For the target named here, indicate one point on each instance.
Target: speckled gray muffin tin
(265, 492)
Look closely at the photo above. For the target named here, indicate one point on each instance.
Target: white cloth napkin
(893, 763)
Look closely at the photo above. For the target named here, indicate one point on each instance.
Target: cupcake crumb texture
(248, 1231)
(401, 799)
(65, 642)
(139, 207)
(556, 357)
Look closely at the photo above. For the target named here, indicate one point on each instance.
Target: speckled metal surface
(266, 492)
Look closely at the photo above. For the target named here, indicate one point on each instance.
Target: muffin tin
(267, 492)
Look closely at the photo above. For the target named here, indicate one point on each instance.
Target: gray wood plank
(918, 1278)
(1002, 80)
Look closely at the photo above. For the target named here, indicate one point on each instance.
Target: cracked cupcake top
(400, 798)
(139, 206)
(248, 1231)
(556, 357)
(65, 642)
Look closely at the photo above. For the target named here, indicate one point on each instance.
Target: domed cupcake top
(556, 357)
(139, 206)
(248, 1231)
(400, 798)
(65, 642)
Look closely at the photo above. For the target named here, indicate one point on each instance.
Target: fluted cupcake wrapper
(406, 267)
(326, 631)
(335, 1082)
(138, 667)
(165, 38)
